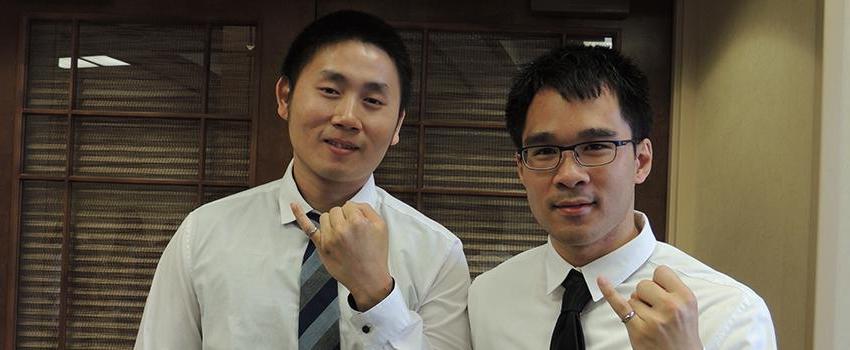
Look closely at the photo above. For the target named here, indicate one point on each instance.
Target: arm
(440, 323)
(171, 319)
(749, 328)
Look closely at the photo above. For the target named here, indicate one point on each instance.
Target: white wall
(832, 305)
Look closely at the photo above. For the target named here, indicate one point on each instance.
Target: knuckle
(381, 225)
(360, 223)
(670, 304)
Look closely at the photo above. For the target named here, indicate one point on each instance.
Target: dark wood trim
(160, 115)
(254, 106)
(65, 281)
(205, 100)
(463, 124)
(447, 190)
(10, 282)
(75, 56)
(132, 180)
(618, 42)
(510, 29)
(43, 111)
(205, 90)
(423, 85)
(26, 177)
(66, 267)
(151, 18)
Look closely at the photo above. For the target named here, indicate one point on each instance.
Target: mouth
(341, 146)
(574, 207)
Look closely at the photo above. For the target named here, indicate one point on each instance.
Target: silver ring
(312, 232)
(628, 316)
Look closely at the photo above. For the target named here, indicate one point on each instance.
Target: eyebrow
(549, 138)
(339, 78)
(596, 132)
(540, 138)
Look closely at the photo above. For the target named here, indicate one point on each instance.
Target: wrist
(371, 294)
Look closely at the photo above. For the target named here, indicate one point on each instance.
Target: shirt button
(366, 329)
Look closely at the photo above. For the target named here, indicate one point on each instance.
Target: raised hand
(661, 313)
(352, 242)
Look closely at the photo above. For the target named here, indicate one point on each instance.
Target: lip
(574, 207)
(340, 146)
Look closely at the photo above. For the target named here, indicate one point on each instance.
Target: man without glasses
(580, 119)
(322, 258)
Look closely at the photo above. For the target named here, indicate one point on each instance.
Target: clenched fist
(352, 242)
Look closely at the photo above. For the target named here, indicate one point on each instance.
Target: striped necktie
(318, 317)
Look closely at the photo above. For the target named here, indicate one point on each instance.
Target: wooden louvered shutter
(455, 159)
(114, 155)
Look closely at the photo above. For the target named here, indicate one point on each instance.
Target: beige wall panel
(743, 139)
(832, 307)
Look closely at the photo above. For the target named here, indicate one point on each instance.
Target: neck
(579, 255)
(323, 194)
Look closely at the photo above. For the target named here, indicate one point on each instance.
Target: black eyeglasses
(589, 154)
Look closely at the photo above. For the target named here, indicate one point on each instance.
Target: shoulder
(221, 219)
(261, 196)
(695, 271)
(732, 315)
(405, 222)
(513, 271)
(716, 291)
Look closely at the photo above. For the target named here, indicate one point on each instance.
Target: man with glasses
(580, 119)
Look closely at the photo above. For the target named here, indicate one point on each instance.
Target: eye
(597, 147)
(543, 151)
(373, 101)
(329, 91)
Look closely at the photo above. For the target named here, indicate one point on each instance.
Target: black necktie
(567, 334)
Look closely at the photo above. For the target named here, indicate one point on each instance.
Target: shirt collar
(289, 194)
(616, 266)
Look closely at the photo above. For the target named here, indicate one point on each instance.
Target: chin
(343, 173)
(575, 233)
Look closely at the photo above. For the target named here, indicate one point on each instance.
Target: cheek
(535, 190)
(381, 130)
(310, 111)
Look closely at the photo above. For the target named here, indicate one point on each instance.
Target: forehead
(353, 60)
(556, 119)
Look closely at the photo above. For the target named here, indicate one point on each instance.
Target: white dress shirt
(516, 304)
(229, 279)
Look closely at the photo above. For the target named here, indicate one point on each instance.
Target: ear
(398, 127)
(282, 91)
(643, 160)
(520, 169)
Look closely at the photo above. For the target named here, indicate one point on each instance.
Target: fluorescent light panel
(92, 62)
(607, 42)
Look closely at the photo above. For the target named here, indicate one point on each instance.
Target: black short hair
(581, 73)
(342, 26)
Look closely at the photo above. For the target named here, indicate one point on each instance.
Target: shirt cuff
(383, 322)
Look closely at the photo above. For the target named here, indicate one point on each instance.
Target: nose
(345, 115)
(570, 173)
